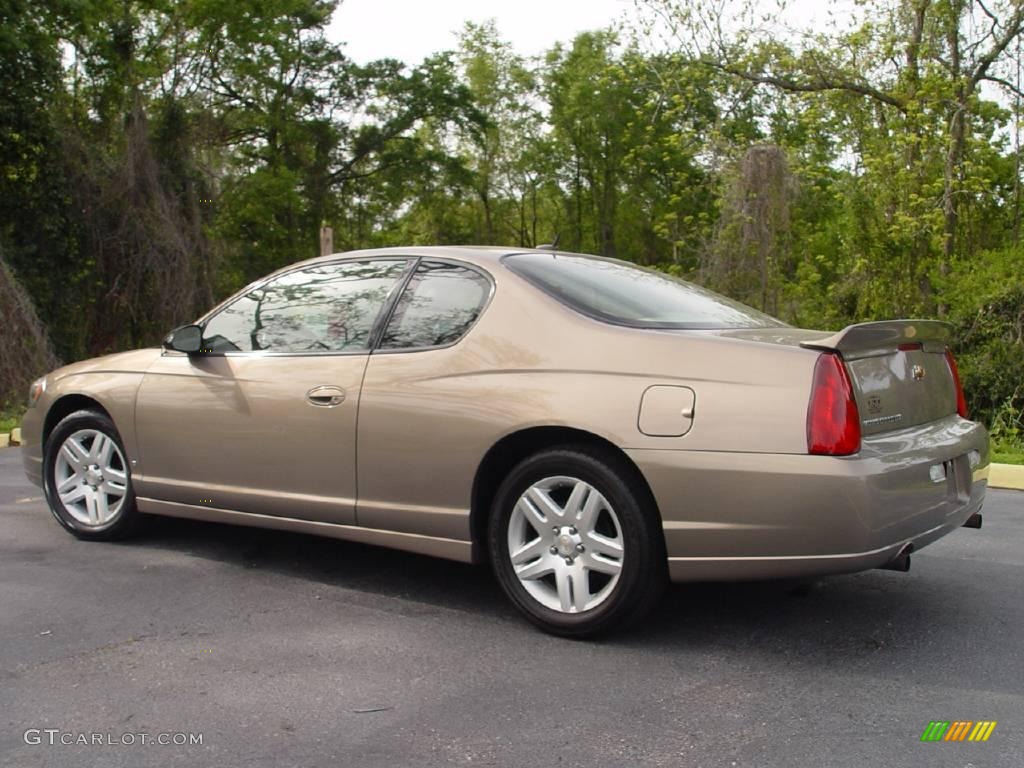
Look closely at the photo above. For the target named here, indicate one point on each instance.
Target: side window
(437, 307)
(326, 308)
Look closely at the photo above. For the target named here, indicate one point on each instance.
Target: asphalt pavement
(278, 649)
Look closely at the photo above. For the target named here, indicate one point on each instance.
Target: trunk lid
(898, 368)
(899, 371)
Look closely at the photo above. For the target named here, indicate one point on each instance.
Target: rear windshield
(623, 293)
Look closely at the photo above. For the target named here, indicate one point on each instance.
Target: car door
(414, 476)
(263, 420)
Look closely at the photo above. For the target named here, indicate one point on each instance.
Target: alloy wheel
(91, 477)
(565, 544)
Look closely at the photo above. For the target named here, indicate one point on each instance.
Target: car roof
(479, 255)
(475, 254)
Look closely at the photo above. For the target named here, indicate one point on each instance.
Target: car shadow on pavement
(334, 563)
(861, 615)
(877, 623)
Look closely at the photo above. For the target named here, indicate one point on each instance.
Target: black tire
(126, 520)
(643, 571)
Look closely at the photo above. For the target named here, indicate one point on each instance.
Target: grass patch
(9, 419)
(1007, 457)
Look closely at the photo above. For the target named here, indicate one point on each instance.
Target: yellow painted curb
(1006, 476)
(5, 439)
(16, 436)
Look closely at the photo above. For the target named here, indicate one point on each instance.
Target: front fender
(111, 382)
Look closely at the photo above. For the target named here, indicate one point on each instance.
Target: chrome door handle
(326, 396)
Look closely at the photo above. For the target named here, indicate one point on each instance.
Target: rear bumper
(739, 516)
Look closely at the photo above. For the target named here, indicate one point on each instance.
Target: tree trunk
(955, 150)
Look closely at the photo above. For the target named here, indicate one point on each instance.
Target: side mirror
(187, 338)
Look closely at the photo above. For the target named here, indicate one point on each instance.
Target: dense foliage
(157, 155)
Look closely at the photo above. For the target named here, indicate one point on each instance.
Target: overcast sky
(409, 30)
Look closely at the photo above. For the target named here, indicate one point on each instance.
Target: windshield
(624, 293)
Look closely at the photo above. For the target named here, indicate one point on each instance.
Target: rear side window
(437, 307)
(623, 293)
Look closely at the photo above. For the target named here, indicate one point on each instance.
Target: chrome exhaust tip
(974, 521)
(901, 562)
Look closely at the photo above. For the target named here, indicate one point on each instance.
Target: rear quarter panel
(427, 418)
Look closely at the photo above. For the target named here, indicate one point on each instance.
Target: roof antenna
(552, 246)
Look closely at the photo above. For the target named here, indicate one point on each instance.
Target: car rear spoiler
(885, 335)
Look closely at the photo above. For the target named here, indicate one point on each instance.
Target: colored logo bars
(958, 730)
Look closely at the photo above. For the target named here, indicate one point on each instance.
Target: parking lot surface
(282, 650)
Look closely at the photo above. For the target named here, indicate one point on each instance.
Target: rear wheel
(574, 542)
(87, 479)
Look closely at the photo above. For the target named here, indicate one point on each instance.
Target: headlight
(36, 391)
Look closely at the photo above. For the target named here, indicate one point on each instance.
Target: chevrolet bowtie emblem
(918, 372)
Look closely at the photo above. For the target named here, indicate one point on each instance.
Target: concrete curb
(1006, 476)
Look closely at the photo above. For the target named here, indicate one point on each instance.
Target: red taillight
(961, 401)
(833, 423)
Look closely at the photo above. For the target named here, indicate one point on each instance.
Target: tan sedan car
(591, 428)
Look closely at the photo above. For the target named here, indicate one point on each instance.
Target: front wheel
(575, 542)
(87, 479)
